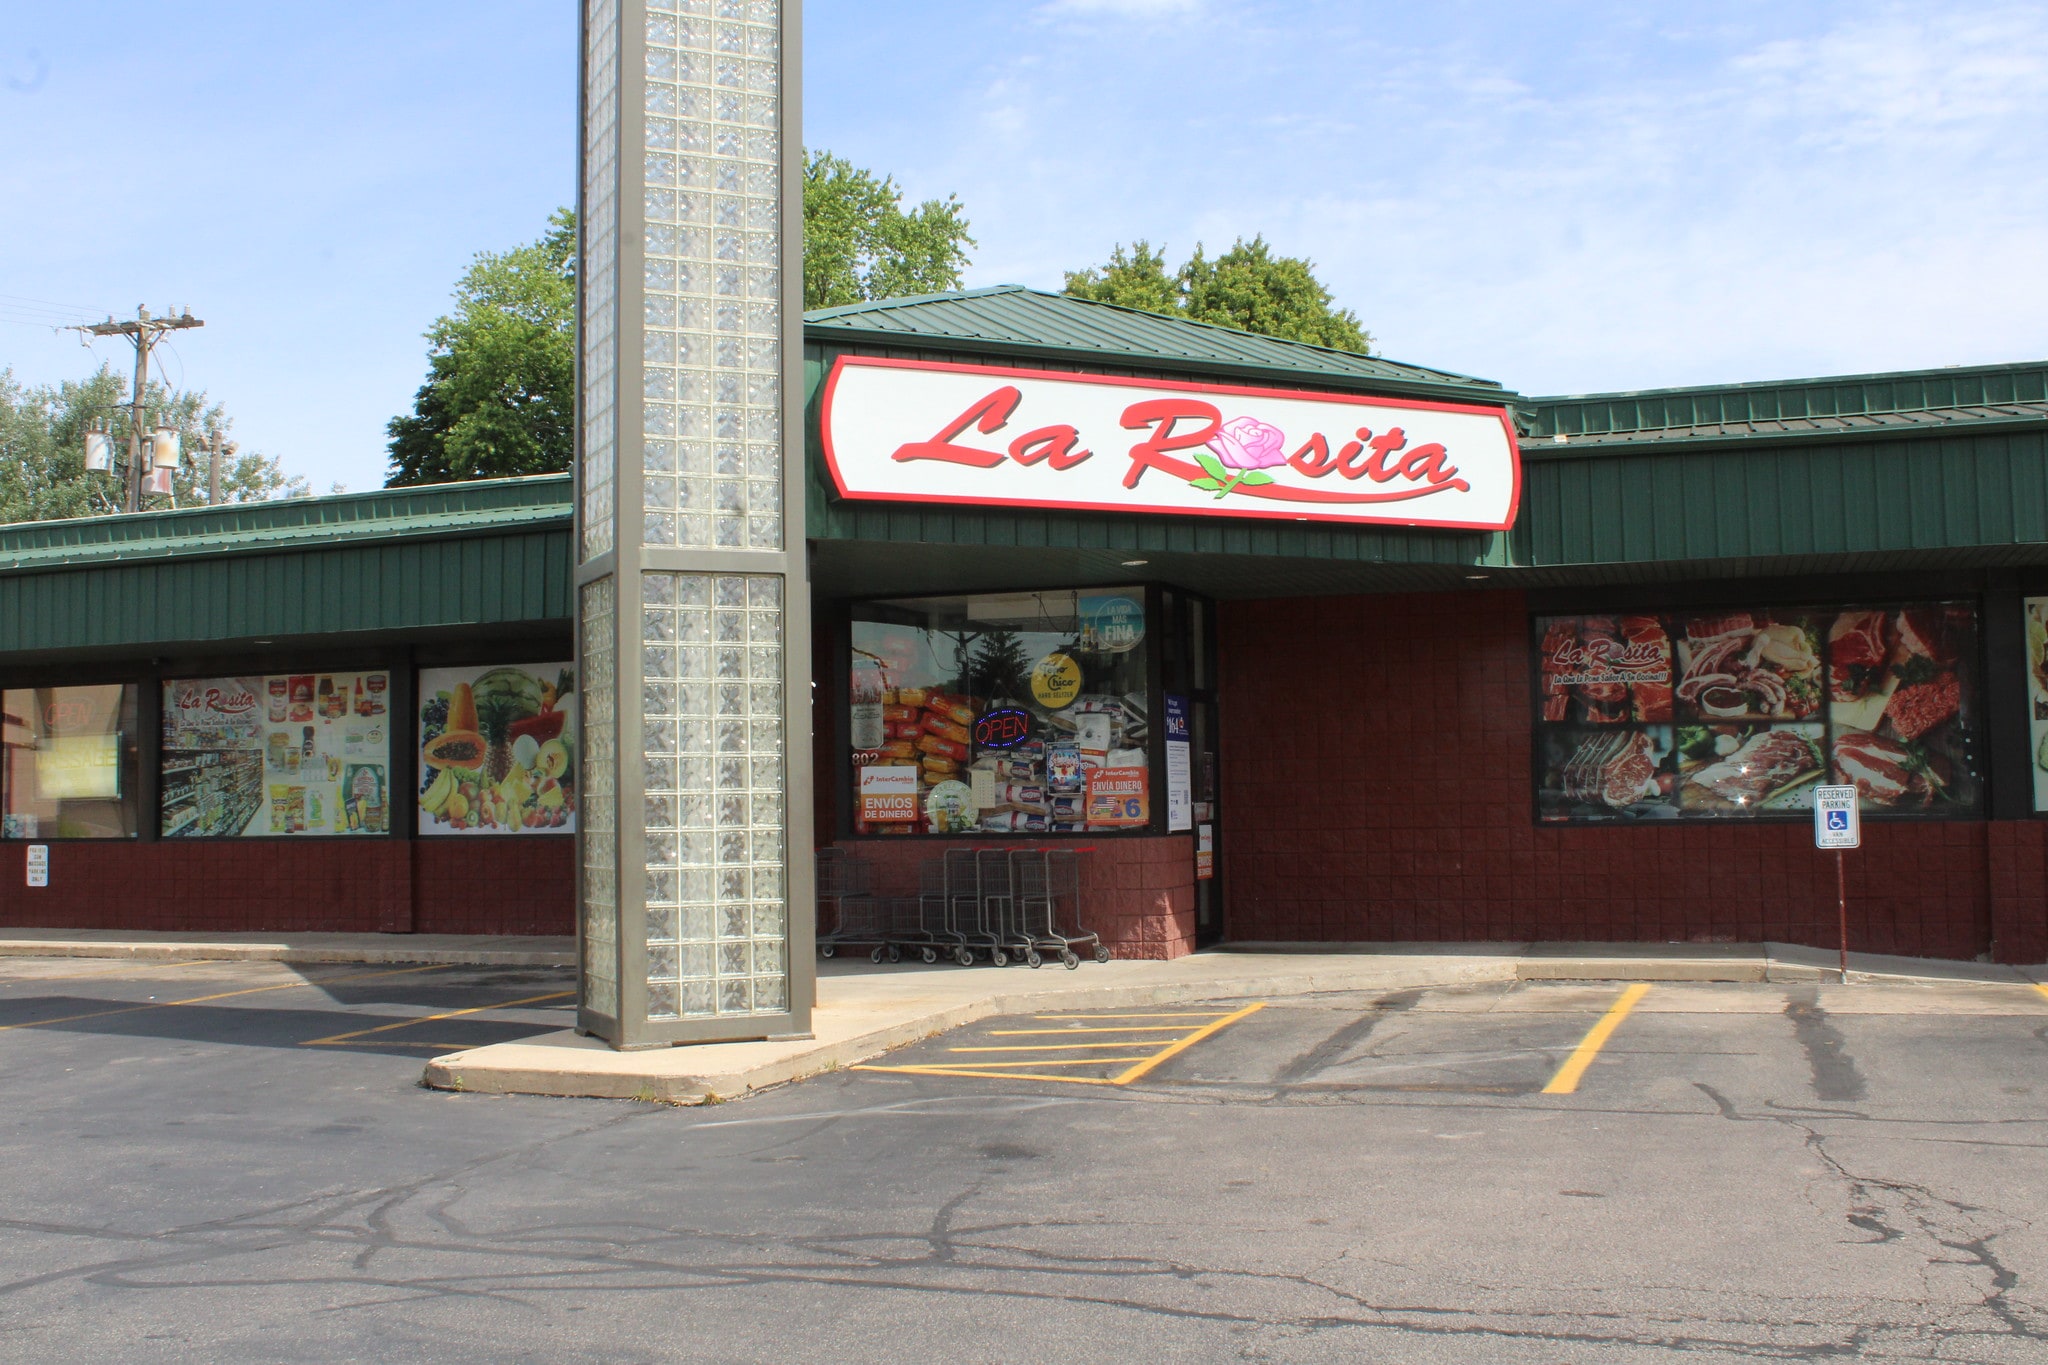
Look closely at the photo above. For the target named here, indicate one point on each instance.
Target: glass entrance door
(1188, 672)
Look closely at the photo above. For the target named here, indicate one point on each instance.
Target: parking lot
(232, 1162)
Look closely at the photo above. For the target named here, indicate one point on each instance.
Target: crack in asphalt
(1930, 1212)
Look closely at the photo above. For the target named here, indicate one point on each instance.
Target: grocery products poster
(278, 755)
(498, 749)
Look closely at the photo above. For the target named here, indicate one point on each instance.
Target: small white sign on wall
(38, 864)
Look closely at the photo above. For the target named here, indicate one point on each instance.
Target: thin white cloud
(1870, 193)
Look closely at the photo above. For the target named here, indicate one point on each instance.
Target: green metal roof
(492, 506)
(1009, 319)
(411, 563)
(1857, 407)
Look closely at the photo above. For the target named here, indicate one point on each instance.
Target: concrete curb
(200, 950)
(584, 1072)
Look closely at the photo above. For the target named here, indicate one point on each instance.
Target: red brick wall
(456, 886)
(1376, 784)
(1138, 894)
(508, 885)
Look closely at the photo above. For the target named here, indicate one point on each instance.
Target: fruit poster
(277, 755)
(498, 749)
(1733, 713)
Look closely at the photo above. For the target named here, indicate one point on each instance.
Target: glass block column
(695, 896)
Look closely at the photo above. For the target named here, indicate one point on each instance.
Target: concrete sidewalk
(865, 1010)
(467, 950)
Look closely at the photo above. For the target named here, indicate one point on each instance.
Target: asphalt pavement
(231, 1162)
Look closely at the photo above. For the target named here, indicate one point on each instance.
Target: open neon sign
(1003, 729)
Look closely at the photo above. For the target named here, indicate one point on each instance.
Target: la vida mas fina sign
(917, 431)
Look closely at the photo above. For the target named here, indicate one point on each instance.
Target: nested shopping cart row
(986, 904)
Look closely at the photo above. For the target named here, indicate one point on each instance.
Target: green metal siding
(1981, 491)
(416, 585)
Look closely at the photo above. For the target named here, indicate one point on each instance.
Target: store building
(1302, 646)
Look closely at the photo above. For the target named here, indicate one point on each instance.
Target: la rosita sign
(916, 431)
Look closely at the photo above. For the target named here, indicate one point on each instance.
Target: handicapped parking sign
(1835, 819)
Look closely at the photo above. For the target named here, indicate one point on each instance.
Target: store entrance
(1187, 671)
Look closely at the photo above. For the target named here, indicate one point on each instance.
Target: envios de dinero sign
(918, 431)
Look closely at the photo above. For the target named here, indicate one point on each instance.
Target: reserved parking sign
(1835, 822)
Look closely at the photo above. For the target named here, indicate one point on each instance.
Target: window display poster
(2037, 694)
(498, 749)
(277, 755)
(992, 710)
(1117, 798)
(1180, 805)
(888, 795)
(1741, 713)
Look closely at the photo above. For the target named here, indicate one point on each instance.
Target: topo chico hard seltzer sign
(915, 431)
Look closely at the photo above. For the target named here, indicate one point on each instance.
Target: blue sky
(1562, 196)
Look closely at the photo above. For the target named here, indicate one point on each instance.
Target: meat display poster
(1740, 714)
(279, 755)
(2037, 694)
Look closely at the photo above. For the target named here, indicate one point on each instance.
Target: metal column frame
(629, 559)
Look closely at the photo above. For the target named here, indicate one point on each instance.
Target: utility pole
(145, 331)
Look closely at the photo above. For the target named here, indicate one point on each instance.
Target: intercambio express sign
(913, 431)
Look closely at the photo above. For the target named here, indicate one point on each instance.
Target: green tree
(1247, 288)
(42, 450)
(859, 244)
(999, 667)
(500, 396)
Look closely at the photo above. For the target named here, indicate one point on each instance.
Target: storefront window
(281, 755)
(70, 762)
(1013, 713)
(1738, 714)
(498, 750)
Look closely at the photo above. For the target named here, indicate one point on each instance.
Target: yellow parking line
(223, 995)
(1063, 1032)
(430, 1018)
(1050, 1047)
(1184, 1044)
(1566, 1081)
(2041, 988)
(1032, 1061)
(1135, 1066)
(1006, 1076)
(1202, 1014)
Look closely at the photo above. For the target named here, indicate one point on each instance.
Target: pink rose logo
(1240, 451)
(1248, 443)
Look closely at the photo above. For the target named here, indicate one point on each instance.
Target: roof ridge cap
(1752, 385)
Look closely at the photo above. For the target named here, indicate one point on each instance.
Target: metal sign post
(1837, 825)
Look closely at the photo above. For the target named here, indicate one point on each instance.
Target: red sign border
(844, 362)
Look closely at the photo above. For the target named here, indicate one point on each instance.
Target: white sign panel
(1835, 820)
(916, 431)
(38, 864)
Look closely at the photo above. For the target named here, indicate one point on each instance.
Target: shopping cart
(969, 913)
(1046, 894)
(846, 902)
(939, 914)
